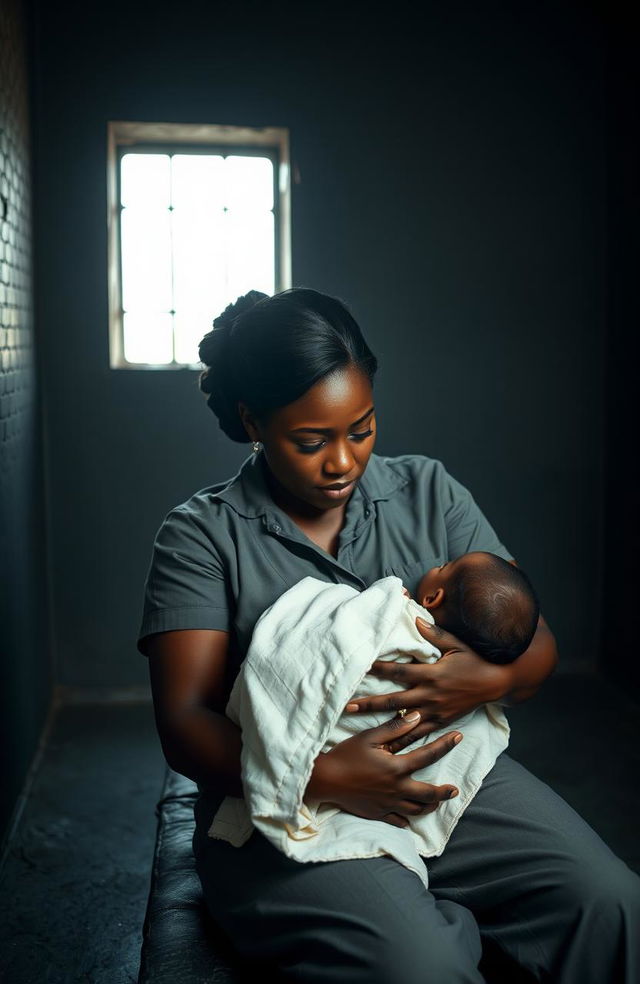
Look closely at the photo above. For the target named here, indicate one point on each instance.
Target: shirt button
(367, 513)
(275, 528)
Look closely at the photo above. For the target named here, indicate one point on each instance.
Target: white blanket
(308, 657)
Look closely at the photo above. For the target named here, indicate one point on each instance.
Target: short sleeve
(467, 527)
(185, 586)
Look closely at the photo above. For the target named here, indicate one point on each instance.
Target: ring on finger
(402, 712)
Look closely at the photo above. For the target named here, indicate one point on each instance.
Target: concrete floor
(76, 877)
(74, 884)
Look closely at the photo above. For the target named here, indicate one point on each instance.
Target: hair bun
(218, 379)
(238, 307)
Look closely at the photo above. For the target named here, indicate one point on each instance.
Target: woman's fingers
(442, 640)
(406, 675)
(395, 820)
(403, 741)
(429, 753)
(411, 808)
(386, 732)
(430, 799)
(425, 797)
(367, 780)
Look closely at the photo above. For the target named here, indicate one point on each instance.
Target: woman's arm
(187, 677)
(531, 668)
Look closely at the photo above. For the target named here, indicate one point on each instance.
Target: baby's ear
(432, 600)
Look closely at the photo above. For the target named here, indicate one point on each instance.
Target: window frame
(124, 137)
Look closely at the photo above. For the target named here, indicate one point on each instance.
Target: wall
(452, 192)
(621, 580)
(25, 657)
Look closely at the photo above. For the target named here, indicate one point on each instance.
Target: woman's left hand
(442, 691)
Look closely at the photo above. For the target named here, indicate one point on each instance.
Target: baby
(485, 602)
(310, 652)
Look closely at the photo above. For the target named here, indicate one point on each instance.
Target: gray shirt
(226, 554)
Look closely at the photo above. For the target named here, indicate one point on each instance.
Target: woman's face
(323, 439)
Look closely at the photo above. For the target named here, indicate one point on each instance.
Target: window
(197, 215)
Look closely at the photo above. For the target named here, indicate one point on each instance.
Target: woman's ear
(249, 422)
(433, 599)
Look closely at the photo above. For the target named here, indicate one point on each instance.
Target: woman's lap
(521, 869)
(359, 921)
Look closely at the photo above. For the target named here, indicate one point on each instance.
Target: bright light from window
(197, 230)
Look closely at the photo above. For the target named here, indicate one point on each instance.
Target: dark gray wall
(25, 656)
(621, 579)
(452, 192)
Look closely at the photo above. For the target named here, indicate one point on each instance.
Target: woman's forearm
(206, 747)
(532, 667)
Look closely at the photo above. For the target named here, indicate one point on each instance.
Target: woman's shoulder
(205, 514)
(404, 468)
(417, 478)
(203, 502)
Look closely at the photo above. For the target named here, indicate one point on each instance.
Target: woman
(521, 871)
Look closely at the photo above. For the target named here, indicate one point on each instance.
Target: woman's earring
(256, 447)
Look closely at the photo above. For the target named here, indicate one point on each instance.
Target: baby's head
(485, 601)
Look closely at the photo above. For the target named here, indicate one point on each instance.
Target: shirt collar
(248, 494)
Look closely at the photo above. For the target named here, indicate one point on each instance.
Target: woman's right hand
(361, 775)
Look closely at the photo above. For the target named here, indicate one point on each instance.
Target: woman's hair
(267, 351)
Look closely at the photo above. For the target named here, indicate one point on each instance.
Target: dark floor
(76, 875)
(74, 885)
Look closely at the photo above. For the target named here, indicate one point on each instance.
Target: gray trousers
(522, 872)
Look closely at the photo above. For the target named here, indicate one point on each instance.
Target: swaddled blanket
(309, 655)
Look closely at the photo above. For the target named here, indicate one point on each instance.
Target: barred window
(197, 216)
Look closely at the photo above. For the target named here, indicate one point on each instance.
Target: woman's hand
(362, 776)
(443, 691)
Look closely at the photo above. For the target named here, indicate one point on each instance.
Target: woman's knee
(606, 890)
(446, 947)
(436, 967)
(614, 891)
(413, 955)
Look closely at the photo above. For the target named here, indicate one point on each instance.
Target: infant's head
(485, 601)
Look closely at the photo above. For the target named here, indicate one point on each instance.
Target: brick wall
(25, 675)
